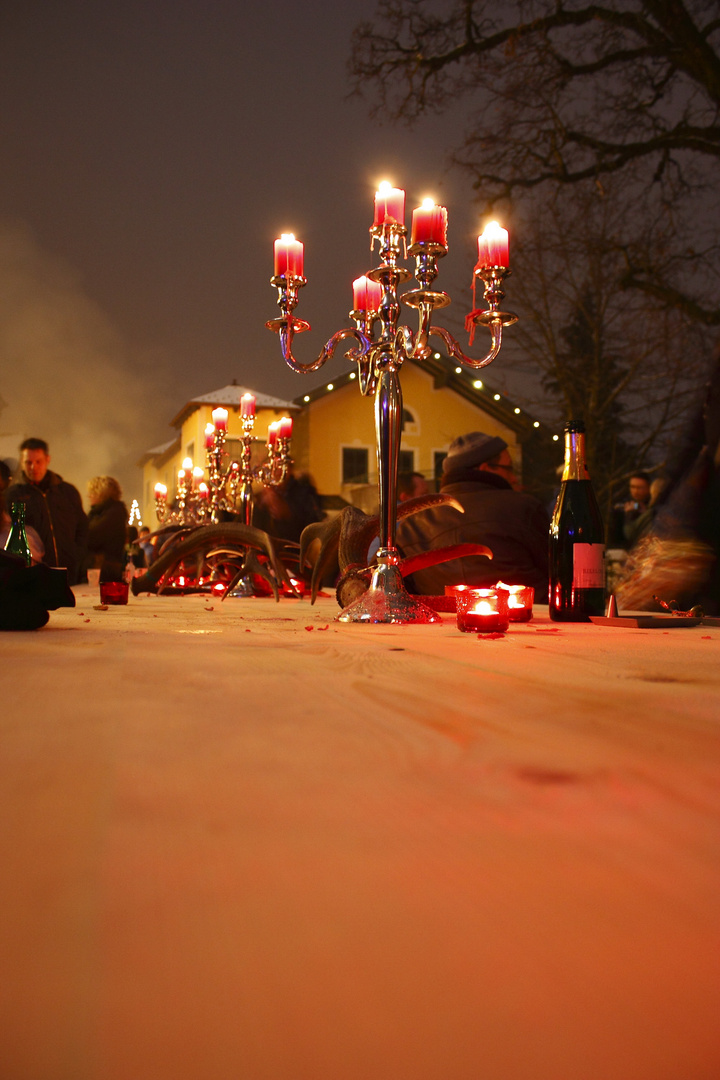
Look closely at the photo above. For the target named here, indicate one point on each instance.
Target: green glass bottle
(17, 541)
(577, 539)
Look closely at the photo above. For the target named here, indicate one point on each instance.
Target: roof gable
(230, 396)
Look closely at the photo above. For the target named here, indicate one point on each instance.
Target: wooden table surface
(244, 842)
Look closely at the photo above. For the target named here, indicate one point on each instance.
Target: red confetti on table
(489, 637)
(309, 627)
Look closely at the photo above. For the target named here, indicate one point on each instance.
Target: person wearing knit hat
(469, 451)
(479, 473)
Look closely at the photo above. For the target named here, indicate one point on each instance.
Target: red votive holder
(482, 611)
(520, 601)
(114, 592)
(453, 590)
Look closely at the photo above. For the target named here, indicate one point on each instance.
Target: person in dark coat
(285, 510)
(479, 473)
(52, 507)
(107, 528)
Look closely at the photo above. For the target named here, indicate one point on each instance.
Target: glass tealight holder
(482, 611)
(520, 601)
(114, 592)
(453, 590)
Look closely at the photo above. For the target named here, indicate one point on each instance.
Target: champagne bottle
(577, 539)
(17, 541)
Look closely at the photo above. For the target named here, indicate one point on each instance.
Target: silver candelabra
(382, 344)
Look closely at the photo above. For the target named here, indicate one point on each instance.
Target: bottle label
(588, 569)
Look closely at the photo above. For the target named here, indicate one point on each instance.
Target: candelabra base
(242, 588)
(387, 601)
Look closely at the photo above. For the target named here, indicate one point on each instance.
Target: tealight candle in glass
(482, 611)
(520, 601)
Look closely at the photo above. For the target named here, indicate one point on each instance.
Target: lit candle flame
(483, 607)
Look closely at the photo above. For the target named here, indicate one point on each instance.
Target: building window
(409, 424)
(406, 461)
(354, 465)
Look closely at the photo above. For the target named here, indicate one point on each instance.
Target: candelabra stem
(387, 600)
(388, 422)
(246, 502)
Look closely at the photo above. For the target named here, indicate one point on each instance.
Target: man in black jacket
(52, 507)
(479, 473)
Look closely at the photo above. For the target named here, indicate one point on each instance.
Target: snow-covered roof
(230, 395)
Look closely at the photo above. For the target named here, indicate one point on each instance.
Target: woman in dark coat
(107, 524)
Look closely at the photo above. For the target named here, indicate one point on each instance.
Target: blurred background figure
(134, 554)
(411, 485)
(678, 558)
(285, 510)
(52, 507)
(146, 547)
(623, 531)
(107, 528)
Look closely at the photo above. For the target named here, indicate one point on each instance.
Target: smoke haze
(67, 376)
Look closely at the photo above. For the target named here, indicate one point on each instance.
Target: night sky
(151, 152)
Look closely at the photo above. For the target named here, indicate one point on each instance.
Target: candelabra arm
(286, 336)
(453, 348)
(288, 325)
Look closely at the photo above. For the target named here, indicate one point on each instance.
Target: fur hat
(469, 451)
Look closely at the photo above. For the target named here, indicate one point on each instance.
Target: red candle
(203, 491)
(367, 294)
(389, 205)
(288, 256)
(286, 426)
(273, 433)
(247, 405)
(493, 246)
(429, 223)
(220, 417)
(209, 435)
(160, 492)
